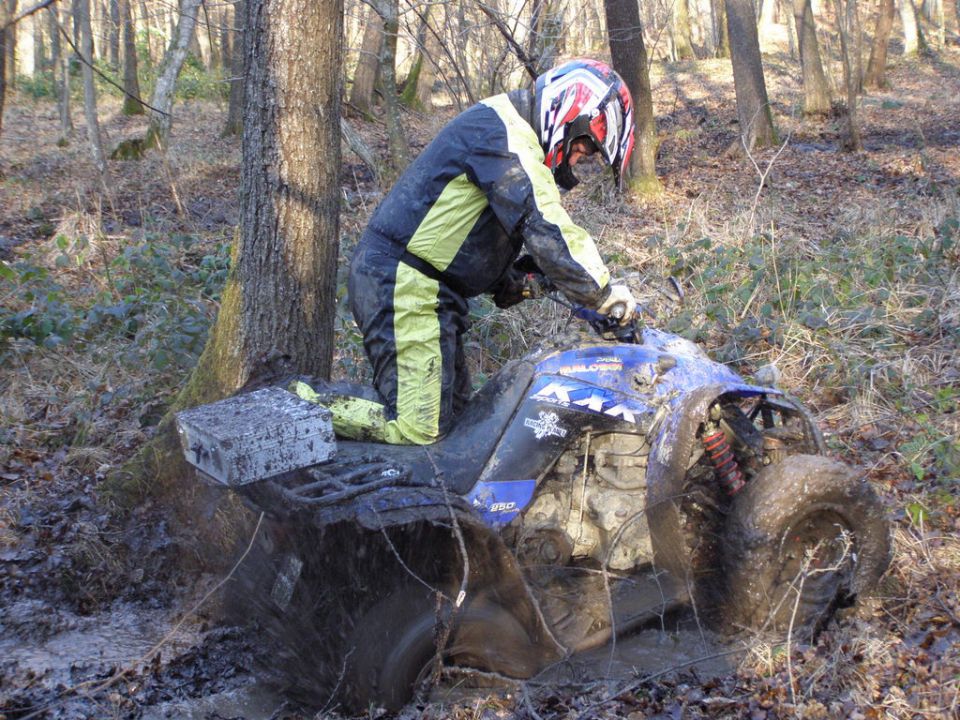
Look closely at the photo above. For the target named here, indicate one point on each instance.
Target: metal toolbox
(256, 435)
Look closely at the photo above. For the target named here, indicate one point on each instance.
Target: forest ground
(840, 269)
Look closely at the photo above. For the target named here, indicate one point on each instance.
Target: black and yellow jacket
(475, 195)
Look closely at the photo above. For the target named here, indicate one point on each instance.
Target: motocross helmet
(584, 98)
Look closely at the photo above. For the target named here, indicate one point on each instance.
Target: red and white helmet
(584, 98)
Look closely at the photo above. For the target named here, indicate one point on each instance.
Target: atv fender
(672, 447)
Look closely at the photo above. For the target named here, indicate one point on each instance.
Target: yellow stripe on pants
(416, 328)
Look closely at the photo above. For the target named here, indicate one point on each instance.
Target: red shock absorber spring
(728, 471)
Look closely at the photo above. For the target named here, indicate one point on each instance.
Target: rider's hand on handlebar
(620, 304)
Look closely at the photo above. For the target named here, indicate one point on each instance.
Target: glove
(517, 283)
(509, 288)
(619, 298)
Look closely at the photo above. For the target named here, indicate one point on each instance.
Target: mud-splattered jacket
(475, 195)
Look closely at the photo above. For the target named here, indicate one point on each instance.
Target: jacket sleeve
(524, 197)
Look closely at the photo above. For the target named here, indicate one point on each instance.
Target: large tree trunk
(365, 76)
(816, 91)
(753, 107)
(234, 123)
(161, 118)
(278, 305)
(428, 67)
(876, 76)
(82, 19)
(629, 56)
(131, 84)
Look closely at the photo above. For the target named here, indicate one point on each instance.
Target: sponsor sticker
(595, 399)
(547, 424)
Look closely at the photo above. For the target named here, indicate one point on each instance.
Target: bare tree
(845, 20)
(388, 10)
(131, 84)
(816, 90)
(234, 123)
(114, 29)
(82, 20)
(10, 44)
(365, 75)
(876, 76)
(913, 39)
(682, 45)
(161, 118)
(629, 56)
(59, 19)
(753, 107)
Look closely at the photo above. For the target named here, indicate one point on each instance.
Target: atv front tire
(803, 537)
(393, 649)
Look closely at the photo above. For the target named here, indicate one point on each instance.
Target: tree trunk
(680, 30)
(629, 56)
(11, 45)
(876, 76)
(365, 76)
(816, 91)
(911, 28)
(59, 19)
(158, 133)
(234, 124)
(428, 69)
(278, 305)
(115, 27)
(852, 141)
(766, 25)
(4, 19)
(82, 19)
(723, 32)
(396, 139)
(131, 84)
(753, 107)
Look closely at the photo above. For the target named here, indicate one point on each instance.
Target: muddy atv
(587, 489)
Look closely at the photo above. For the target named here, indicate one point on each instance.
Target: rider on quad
(452, 228)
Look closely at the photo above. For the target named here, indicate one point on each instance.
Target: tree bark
(680, 30)
(396, 139)
(234, 123)
(82, 19)
(131, 83)
(851, 141)
(365, 75)
(11, 45)
(911, 28)
(428, 68)
(158, 132)
(278, 305)
(59, 19)
(723, 33)
(753, 107)
(115, 27)
(4, 19)
(816, 91)
(629, 56)
(876, 76)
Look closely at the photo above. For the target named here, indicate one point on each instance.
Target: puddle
(250, 702)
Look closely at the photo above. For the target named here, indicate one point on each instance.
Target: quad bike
(587, 489)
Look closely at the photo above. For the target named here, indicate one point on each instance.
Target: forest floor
(841, 269)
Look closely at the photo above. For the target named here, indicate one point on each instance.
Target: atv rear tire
(803, 537)
(393, 648)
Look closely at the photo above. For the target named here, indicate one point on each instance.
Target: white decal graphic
(547, 424)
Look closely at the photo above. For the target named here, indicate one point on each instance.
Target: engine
(591, 505)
